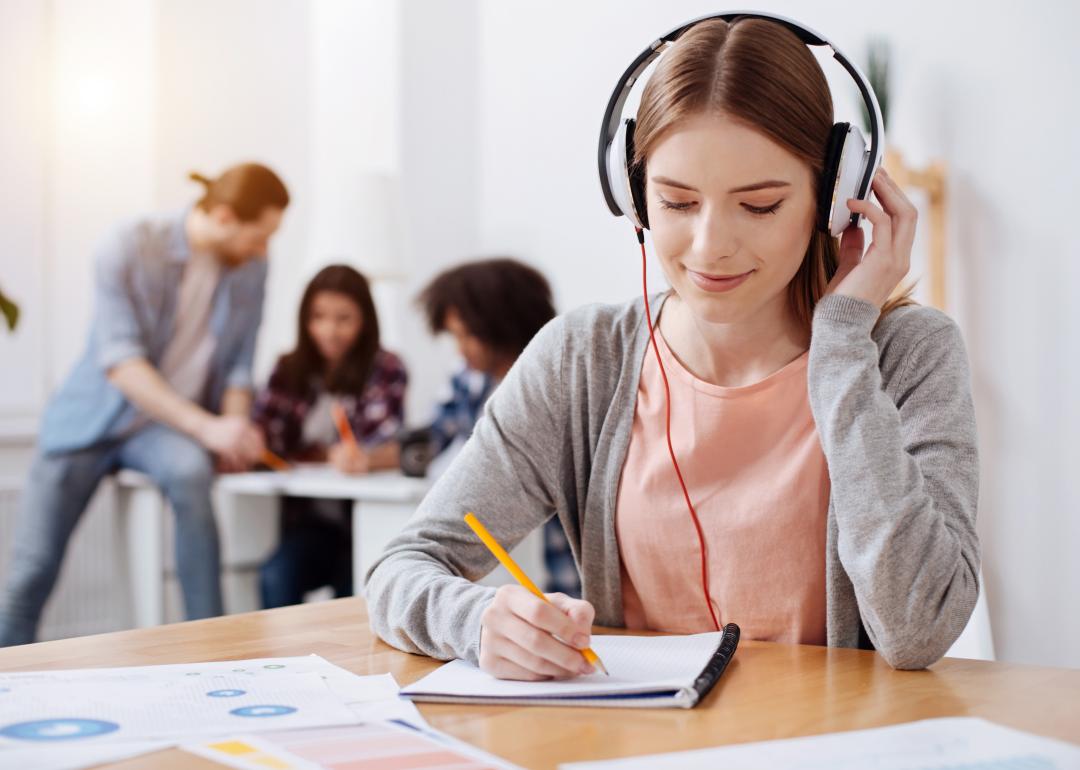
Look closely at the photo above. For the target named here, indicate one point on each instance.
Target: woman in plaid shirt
(337, 360)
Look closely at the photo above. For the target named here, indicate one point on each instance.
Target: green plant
(877, 72)
(10, 311)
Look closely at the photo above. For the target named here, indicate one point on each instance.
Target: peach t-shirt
(757, 476)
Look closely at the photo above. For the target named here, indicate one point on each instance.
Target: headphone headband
(613, 114)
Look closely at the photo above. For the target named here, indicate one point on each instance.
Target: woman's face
(334, 323)
(731, 214)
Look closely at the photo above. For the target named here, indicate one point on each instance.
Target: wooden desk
(769, 690)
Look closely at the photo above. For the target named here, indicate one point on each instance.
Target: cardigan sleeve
(904, 468)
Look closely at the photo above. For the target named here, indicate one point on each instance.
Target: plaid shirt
(456, 416)
(376, 414)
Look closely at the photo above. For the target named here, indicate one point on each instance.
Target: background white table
(246, 507)
(247, 512)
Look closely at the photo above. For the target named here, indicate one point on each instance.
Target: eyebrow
(764, 185)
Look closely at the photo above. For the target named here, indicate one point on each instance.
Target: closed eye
(674, 205)
(763, 210)
(755, 210)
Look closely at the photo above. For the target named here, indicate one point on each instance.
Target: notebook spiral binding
(708, 678)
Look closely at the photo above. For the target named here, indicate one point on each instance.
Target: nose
(715, 237)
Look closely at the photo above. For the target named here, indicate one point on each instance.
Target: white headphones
(849, 165)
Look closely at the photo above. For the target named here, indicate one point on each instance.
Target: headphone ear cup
(834, 150)
(636, 176)
(850, 172)
(620, 182)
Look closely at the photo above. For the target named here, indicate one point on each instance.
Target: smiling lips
(717, 283)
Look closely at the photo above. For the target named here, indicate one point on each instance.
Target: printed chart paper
(50, 713)
(87, 706)
(378, 746)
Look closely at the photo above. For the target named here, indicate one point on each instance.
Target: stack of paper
(955, 743)
(78, 718)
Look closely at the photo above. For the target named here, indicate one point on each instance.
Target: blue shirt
(456, 415)
(138, 268)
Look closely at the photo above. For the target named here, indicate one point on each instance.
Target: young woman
(337, 363)
(825, 434)
(492, 308)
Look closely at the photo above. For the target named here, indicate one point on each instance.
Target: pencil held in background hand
(519, 575)
(341, 420)
(272, 461)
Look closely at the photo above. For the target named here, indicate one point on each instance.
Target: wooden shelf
(931, 181)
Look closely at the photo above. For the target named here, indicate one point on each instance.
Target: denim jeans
(56, 494)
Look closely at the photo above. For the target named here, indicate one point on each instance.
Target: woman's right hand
(524, 638)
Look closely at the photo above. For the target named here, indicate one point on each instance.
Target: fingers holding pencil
(524, 638)
(526, 634)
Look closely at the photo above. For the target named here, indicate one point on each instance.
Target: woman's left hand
(873, 276)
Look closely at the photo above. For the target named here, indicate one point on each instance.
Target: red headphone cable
(671, 449)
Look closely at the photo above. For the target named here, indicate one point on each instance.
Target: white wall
(76, 153)
(232, 80)
(101, 156)
(440, 146)
(983, 86)
(24, 78)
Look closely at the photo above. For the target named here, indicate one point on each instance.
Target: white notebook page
(636, 664)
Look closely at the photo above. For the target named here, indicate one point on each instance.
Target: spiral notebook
(645, 672)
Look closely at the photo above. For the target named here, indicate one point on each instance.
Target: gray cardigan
(893, 408)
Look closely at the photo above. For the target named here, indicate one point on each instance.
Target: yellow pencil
(504, 558)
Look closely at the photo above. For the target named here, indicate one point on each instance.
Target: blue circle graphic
(262, 711)
(226, 693)
(58, 729)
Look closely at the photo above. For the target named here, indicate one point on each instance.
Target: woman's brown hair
(301, 368)
(761, 74)
(248, 189)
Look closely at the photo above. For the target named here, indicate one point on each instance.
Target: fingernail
(586, 669)
(580, 641)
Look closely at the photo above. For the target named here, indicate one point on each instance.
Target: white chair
(976, 641)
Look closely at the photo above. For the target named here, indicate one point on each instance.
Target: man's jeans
(58, 490)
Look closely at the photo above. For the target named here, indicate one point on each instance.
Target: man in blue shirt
(164, 386)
